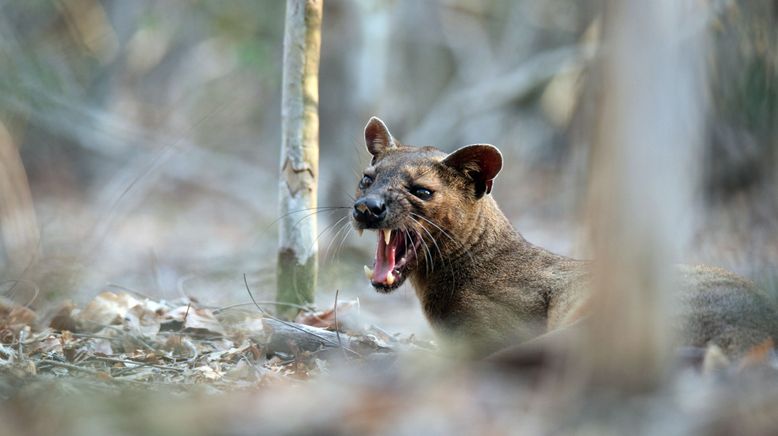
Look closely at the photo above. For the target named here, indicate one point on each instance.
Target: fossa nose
(369, 210)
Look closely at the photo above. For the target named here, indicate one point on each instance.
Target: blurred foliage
(150, 129)
(149, 132)
(744, 146)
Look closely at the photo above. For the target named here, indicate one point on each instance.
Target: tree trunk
(641, 184)
(18, 226)
(297, 255)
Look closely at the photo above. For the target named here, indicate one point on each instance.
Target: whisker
(432, 238)
(446, 234)
(430, 264)
(318, 209)
(330, 227)
(297, 223)
(340, 225)
(343, 240)
(427, 253)
(447, 262)
(345, 226)
(430, 267)
(409, 240)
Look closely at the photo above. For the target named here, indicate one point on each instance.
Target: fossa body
(480, 283)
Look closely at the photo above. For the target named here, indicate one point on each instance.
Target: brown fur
(481, 283)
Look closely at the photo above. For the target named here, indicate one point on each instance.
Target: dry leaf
(758, 355)
(244, 371)
(101, 347)
(180, 346)
(7, 355)
(207, 373)
(22, 315)
(174, 344)
(63, 318)
(50, 344)
(143, 321)
(326, 318)
(106, 309)
(193, 320)
(14, 319)
(102, 375)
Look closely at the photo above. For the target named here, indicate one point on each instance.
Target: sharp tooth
(368, 272)
(390, 278)
(359, 232)
(387, 236)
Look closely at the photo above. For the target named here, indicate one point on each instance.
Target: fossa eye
(365, 182)
(422, 193)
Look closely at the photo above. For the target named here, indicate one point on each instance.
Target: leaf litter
(148, 362)
(119, 338)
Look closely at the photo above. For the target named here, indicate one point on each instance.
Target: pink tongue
(384, 258)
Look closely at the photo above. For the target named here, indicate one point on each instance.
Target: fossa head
(418, 199)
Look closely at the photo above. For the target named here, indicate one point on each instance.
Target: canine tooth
(387, 236)
(390, 278)
(368, 272)
(359, 232)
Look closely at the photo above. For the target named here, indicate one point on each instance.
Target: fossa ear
(478, 162)
(377, 137)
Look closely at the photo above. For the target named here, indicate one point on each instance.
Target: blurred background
(139, 140)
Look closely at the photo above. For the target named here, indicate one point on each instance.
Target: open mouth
(395, 253)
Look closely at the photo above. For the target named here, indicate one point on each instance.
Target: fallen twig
(136, 363)
(289, 324)
(72, 367)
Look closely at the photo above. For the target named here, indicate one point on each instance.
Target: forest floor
(127, 364)
(124, 338)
